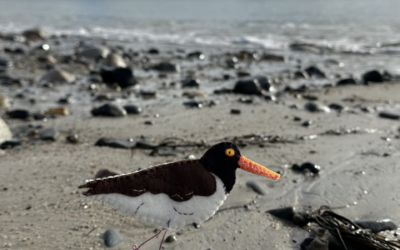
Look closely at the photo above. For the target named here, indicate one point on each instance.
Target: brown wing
(179, 180)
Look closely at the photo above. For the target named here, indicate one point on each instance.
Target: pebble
(389, 115)
(114, 143)
(102, 173)
(153, 51)
(190, 83)
(149, 123)
(19, 114)
(307, 123)
(49, 134)
(377, 226)
(316, 107)
(235, 111)
(109, 109)
(372, 76)
(310, 166)
(314, 71)
(196, 55)
(93, 52)
(285, 213)
(121, 76)
(336, 106)
(4, 102)
(195, 225)
(9, 144)
(58, 76)
(254, 85)
(133, 109)
(170, 239)
(346, 81)
(73, 138)
(166, 67)
(58, 111)
(112, 238)
(114, 60)
(257, 187)
(35, 34)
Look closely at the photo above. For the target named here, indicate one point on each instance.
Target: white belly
(162, 210)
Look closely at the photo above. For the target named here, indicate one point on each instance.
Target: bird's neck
(227, 176)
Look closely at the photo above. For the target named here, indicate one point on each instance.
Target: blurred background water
(356, 25)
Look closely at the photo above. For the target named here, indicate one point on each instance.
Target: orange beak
(256, 168)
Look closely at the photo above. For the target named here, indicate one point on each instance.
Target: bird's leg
(135, 247)
(162, 239)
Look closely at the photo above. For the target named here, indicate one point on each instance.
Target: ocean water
(356, 25)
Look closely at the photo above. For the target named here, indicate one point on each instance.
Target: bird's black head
(222, 160)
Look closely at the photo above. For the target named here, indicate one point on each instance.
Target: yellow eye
(230, 152)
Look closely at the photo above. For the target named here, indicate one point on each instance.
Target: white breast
(170, 214)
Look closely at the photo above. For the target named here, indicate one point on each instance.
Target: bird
(177, 193)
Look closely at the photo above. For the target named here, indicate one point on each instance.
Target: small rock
(103, 173)
(372, 76)
(314, 71)
(252, 85)
(49, 134)
(193, 94)
(336, 106)
(235, 111)
(377, 226)
(310, 166)
(285, 213)
(149, 123)
(58, 111)
(232, 63)
(19, 114)
(153, 51)
(242, 73)
(4, 102)
(121, 76)
(389, 115)
(272, 57)
(257, 187)
(9, 144)
(196, 55)
(73, 138)
(148, 94)
(346, 81)
(112, 238)
(307, 123)
(316, 107)
(133, 109)
(114, 143)
(58, 76)
(109, 109)
(296, 119)
(170, 239)
(195, 225)
(35, 34)
(114, 60)
(93, 52)
(190, 83)
(166, 67)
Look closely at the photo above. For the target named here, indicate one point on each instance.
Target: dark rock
(272, 57)
(166, 67)
(314, 71)
(35, 34)
(300, 75)
(316, 107)
(256, 85)
(336, 106)
(389, 115)
(133, 109)
(153, 51)
(199, 104)
(39, 116)
(73, 138)
(148, 94)
(223, 91)
(190, 83)
(49, 134)
(10, 144)
(243, 73)
(196, 55)
(296, 119)
(246, 100)
(114, 143)
(109, 109)
(310, 166)
(121, 76)
(377, 226)
(19, 114)
(372, 76)
(170, 239)
(307, 123)
(346, 81)
(195, 225)
(235, 111)
(149, 123)
(103, 173)
(58, 76)
(257, 187)
(112, 238)
(16, 51)
(285, 213)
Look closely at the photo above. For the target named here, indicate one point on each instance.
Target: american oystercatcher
(178, 193)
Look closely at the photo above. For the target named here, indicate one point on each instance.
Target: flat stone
(389, 115)
(49, 134)
(109, 109)
(58, 76)
(112, 238)
(114, 143)
(257, 187)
